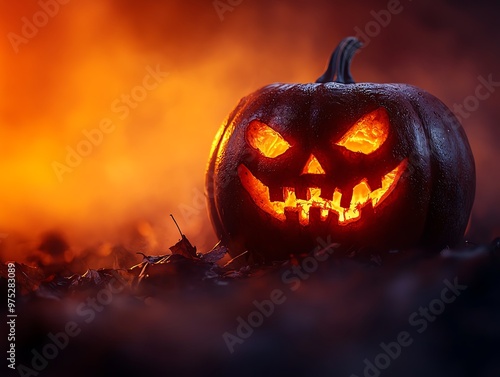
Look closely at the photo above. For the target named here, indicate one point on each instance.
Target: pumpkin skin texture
(287, 168)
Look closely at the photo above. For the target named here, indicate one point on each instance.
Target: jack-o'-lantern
(373, 167)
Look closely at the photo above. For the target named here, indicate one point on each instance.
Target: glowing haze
(108, 111)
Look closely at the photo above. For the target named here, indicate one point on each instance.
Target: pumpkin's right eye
(266, 140)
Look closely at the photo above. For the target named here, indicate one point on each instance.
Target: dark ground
(329, 323)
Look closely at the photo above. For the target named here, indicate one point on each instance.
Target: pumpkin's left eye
(269, 142)
(368, 133)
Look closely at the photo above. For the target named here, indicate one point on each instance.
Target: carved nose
(313, 166)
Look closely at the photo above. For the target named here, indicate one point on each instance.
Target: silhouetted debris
(327, 318)
(217, 253)
(152, 258)
(186, 269)
(183, 268)
(28, 278)
(184, 248)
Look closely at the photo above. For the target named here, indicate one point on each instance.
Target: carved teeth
(290, 198)
(359, 196)
(303, 206)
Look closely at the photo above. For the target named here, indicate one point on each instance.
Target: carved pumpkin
(375, 166)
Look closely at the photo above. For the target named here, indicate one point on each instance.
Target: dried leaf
(184, 248)
(216, 254)
(28, 278)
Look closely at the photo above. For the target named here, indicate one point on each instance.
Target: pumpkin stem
(340, 63)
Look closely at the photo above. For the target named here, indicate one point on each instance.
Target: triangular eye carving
(368, 133)
(266, 140)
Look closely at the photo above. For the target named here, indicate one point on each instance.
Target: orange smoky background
(138, 90)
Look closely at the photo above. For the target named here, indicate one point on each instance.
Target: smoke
(85, 84)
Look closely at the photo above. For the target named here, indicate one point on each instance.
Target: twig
(177, 225)
(236, 257)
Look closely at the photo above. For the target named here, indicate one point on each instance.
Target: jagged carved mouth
(361, 196)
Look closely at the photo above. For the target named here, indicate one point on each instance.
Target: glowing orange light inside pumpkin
(361, 195)
(368, 133)
(262, 137)
(313, 166)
